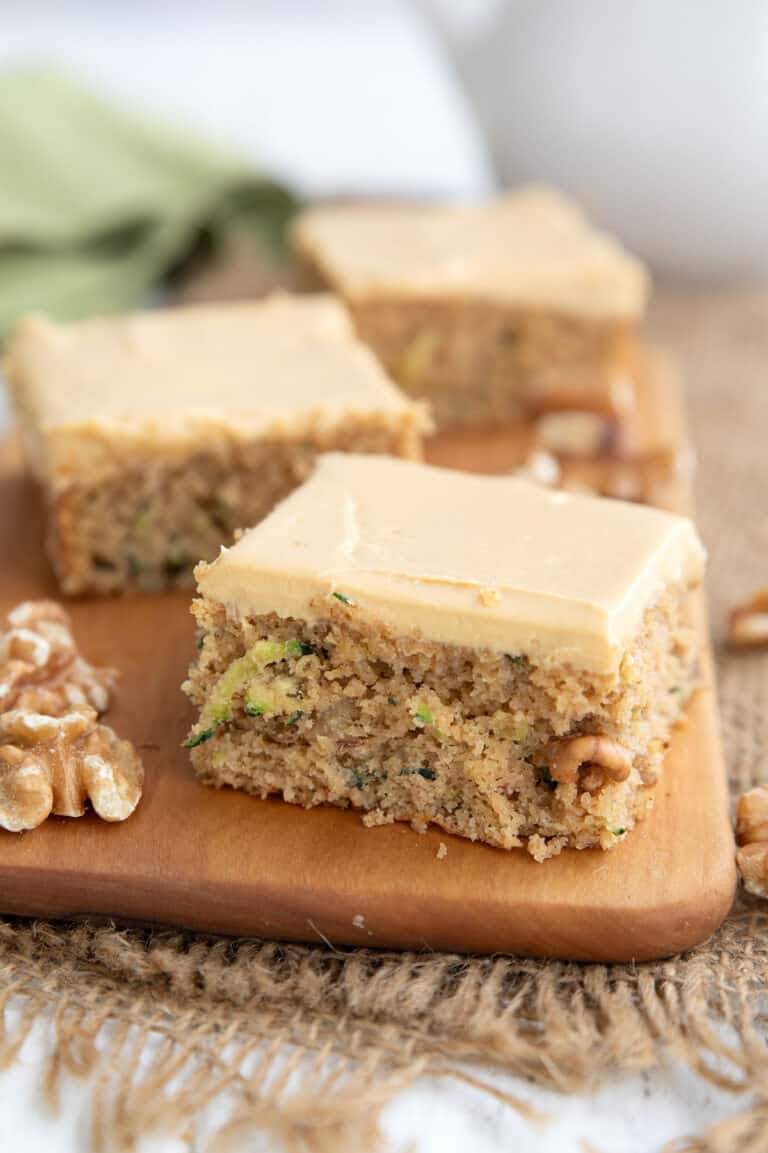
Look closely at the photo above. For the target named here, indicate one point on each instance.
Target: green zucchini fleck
(423, 715)
(143, 519)
(295, 717)
(361, 778)
(176, 561)
(241, 673)
(618, 832)
(199, 738)
(417, 357)
(410, 771)
(345, 600)
(296, 648)
(218, 515)
(545, 777)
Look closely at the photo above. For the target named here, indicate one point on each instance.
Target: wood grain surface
(226, 862)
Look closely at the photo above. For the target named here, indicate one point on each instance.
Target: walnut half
(748, 622)
(40, 667)
(752, 837)
(575, 433)
(54, 764)
(54, 755)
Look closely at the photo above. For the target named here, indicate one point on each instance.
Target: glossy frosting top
(258, 367)
(532, 247)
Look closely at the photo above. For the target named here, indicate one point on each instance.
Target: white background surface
(335, 96)
(338, 95)
(632, 1115)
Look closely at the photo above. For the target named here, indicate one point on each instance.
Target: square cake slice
(156, 435)
(479, 652)
(493, 311)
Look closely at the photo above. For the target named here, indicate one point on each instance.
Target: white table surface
(635, 1114)
(424, 138)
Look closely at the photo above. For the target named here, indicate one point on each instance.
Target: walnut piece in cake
(347, 655)
(156, 435)
(54, 755)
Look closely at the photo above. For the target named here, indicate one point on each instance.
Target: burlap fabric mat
(307, 1043)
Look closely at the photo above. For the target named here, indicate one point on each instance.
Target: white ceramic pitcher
(653, 112)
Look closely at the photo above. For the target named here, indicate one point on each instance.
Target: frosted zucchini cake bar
(156, 435)
(479, 652)
(501, 310)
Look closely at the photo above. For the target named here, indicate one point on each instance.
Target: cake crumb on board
(442, 851)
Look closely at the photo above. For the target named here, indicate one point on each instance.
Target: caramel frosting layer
(483, 561)
(532, 247)
(262, 368)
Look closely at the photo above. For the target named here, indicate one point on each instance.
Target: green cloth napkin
(97, 204)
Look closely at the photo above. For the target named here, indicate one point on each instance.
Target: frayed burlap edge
(308, 1044)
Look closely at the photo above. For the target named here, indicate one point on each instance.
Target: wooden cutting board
(226, 862)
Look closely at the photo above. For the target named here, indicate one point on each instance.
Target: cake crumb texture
(341, 710)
